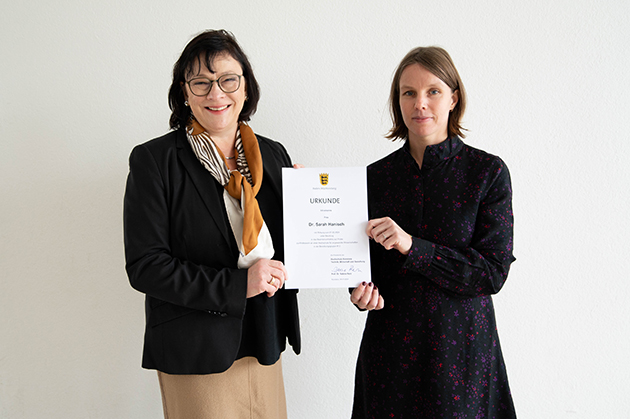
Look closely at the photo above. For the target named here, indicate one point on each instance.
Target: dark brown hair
(202, 50)
(438, 62)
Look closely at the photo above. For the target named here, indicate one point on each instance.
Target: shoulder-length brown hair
(202, 49)
(438, 62)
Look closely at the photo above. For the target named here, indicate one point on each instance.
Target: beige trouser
(247, 390)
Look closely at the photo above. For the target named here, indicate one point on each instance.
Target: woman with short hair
(441, 228)
(203, 241)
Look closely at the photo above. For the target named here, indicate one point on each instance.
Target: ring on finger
(272, 280)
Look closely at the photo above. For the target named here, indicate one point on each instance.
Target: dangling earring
(246, 97)
(185, 103)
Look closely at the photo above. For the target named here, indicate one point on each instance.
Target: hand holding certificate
(325, 216)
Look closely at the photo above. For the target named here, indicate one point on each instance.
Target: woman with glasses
(441, 229)
(203, 241)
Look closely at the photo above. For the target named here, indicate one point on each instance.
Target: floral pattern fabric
(433, 351)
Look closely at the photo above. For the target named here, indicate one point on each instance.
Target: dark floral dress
(433, 351)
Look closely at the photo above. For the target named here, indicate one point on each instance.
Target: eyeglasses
(201, 86)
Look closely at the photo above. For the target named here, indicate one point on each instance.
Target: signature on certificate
(347, 269)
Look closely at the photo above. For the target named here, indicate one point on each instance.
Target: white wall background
(82, 82)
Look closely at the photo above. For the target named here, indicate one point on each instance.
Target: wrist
(406, 245)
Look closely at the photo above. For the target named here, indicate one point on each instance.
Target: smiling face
(425, 103)
(217, 111)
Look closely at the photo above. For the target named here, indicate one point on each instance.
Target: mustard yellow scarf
(243, 184)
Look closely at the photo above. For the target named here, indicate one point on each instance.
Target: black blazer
(180, 251)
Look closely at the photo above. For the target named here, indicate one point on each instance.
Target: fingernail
(371, 284)
(375, 288)
(364, 283)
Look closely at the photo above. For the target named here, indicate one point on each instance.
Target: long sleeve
(154, 268)
(481, 267)
(458, 210)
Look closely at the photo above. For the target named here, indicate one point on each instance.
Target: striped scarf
(240, 189)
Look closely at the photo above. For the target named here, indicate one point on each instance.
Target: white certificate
(325, 216)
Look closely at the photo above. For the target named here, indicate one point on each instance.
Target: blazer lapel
(205, 184)
(272, 178)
